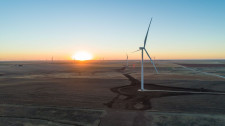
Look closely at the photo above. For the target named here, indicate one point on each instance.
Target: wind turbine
(142, 49)
(127, 60)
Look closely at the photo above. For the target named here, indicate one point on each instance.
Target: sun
(82, 56)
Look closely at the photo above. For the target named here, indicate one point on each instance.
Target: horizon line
(100, 60)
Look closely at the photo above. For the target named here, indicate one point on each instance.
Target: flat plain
(105, 93)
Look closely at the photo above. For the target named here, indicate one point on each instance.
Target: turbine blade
(151, 61)
(146, 36)
(136, 51)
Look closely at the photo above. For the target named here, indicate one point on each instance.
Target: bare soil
(112, 88)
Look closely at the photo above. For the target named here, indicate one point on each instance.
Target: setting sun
(82, 56)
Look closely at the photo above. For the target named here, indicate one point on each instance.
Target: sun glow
(82, 56)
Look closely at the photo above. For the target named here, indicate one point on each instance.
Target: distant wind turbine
(127, 60)
(142, 49)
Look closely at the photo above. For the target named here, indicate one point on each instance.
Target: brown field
(105, 93)
(203, 65)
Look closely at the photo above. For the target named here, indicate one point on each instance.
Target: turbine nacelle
(141, 48)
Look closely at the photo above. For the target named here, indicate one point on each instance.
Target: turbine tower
(142, 49)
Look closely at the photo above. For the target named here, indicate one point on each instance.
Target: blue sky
(181, 29)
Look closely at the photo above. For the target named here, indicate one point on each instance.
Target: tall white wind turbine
(142, 49)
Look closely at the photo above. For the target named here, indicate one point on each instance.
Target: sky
(180, 29)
